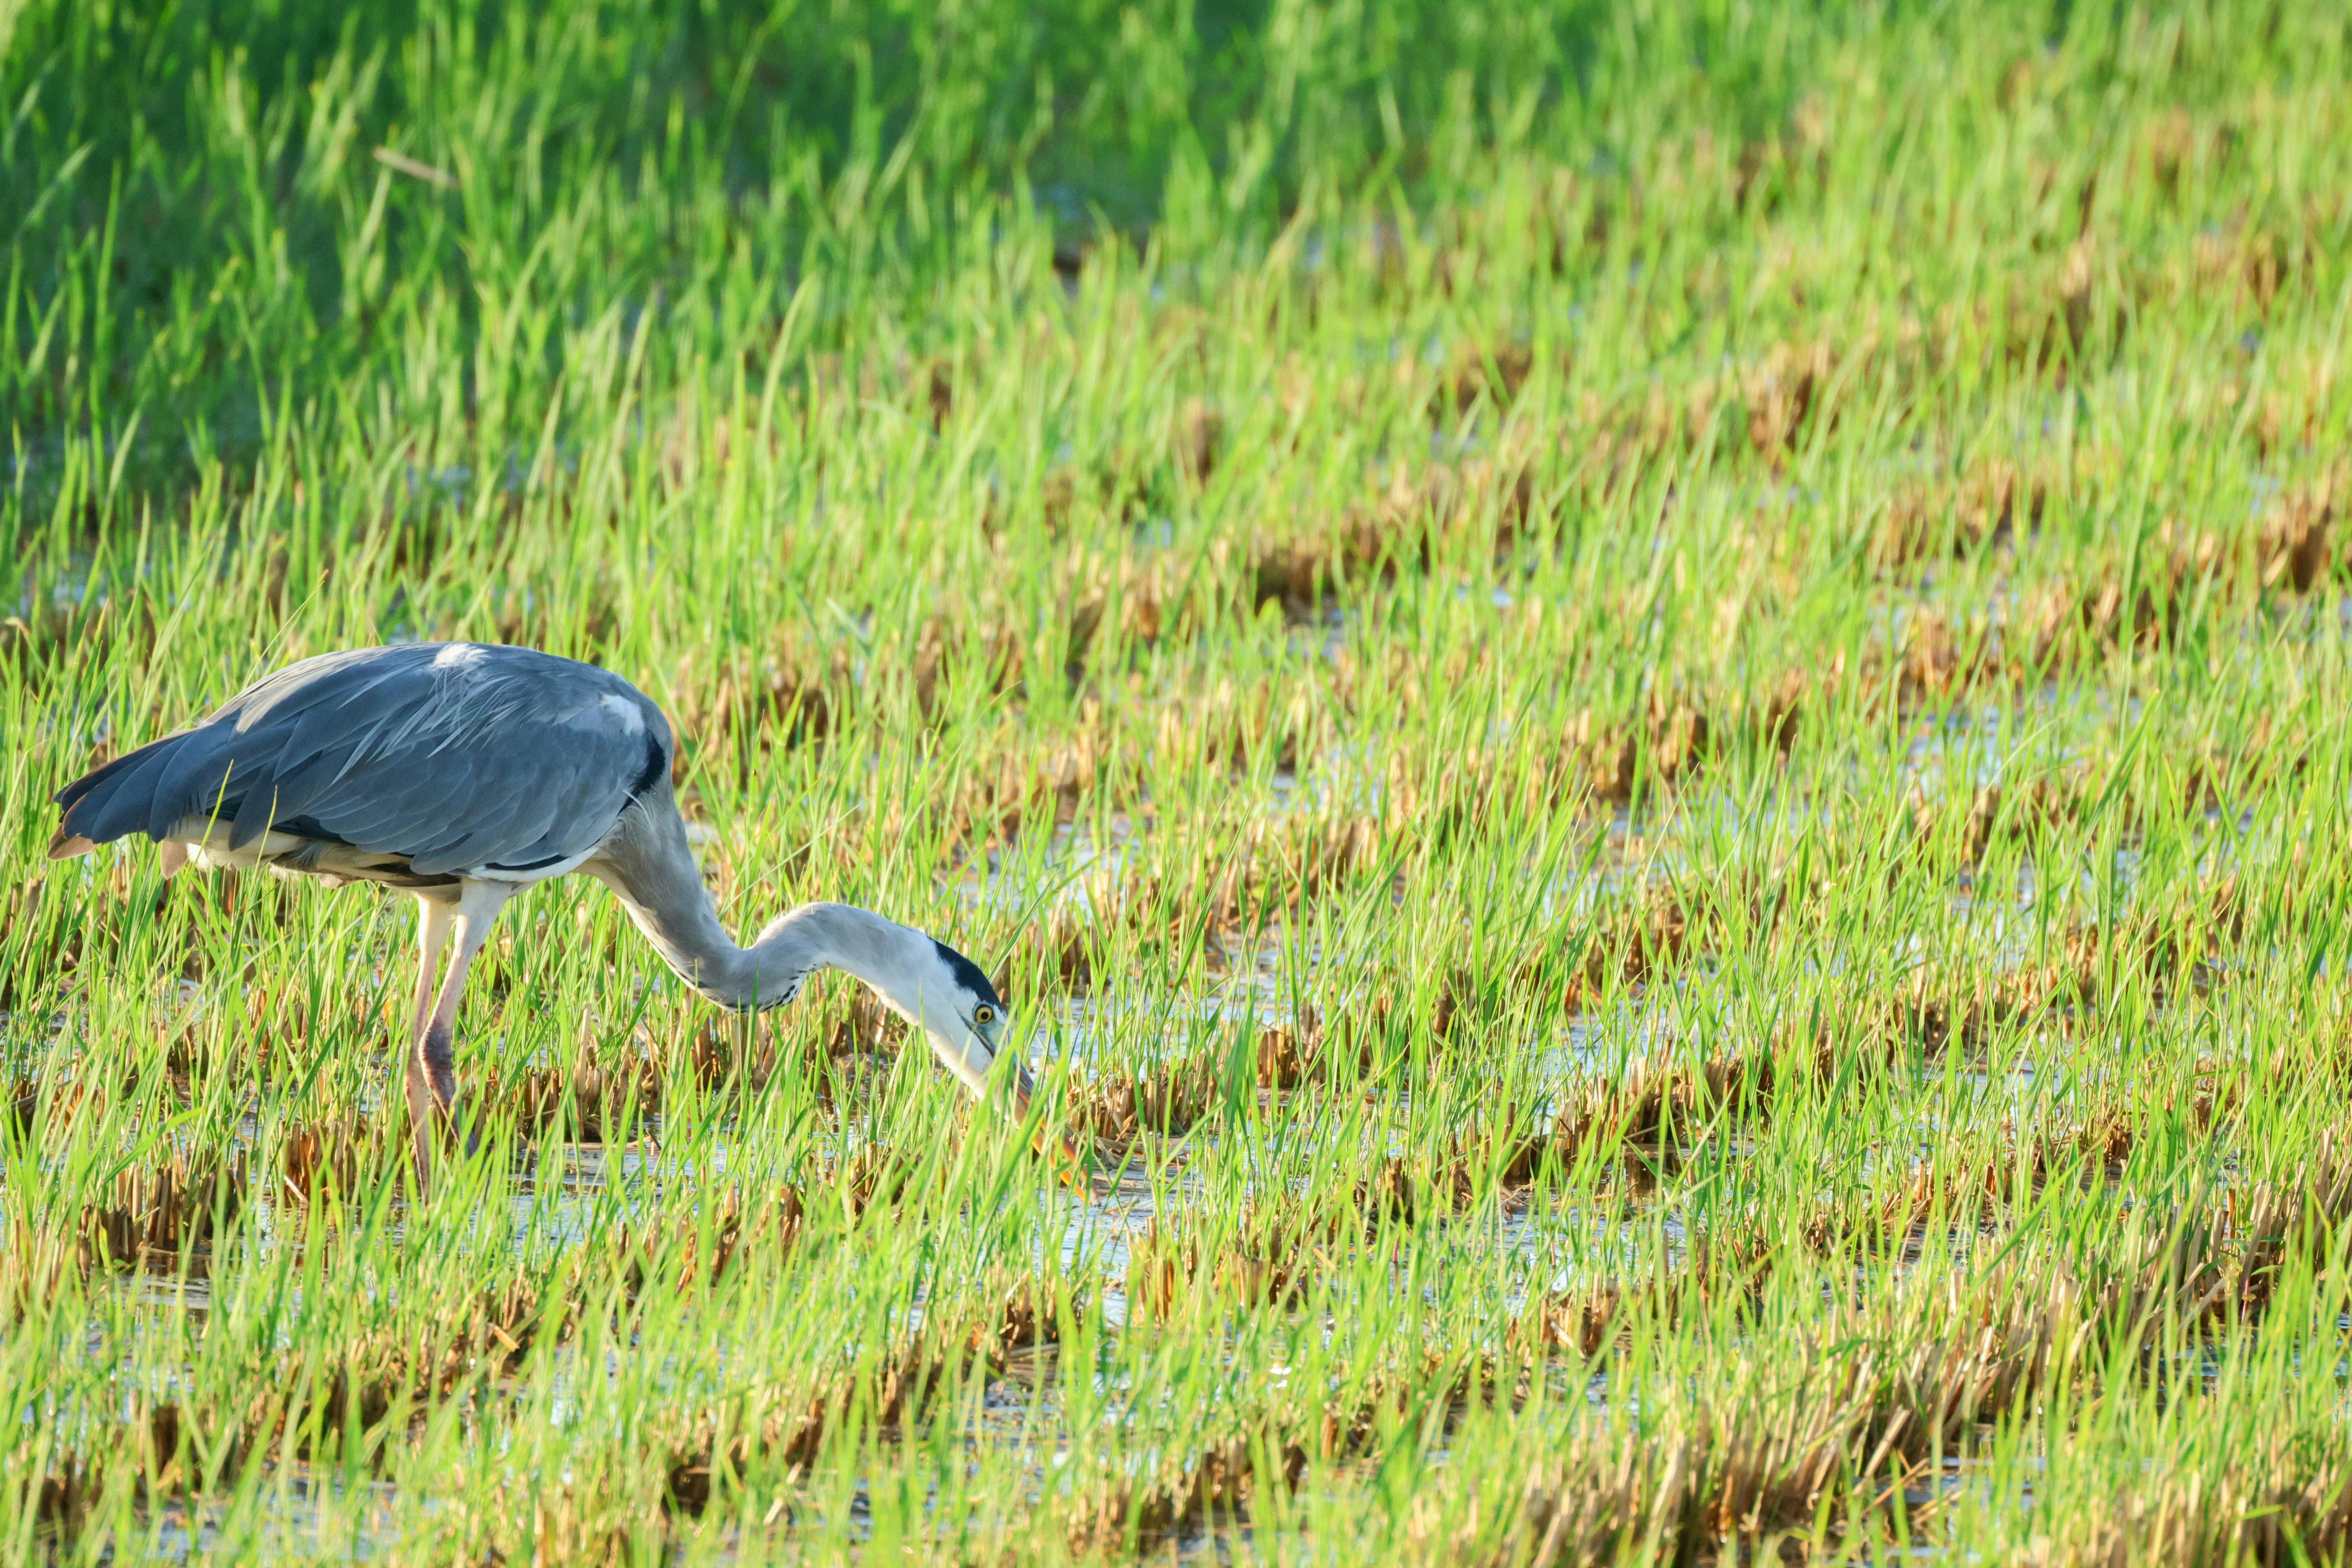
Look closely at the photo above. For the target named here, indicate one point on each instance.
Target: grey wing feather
(454, 755)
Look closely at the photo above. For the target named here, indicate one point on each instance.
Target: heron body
(464, 772)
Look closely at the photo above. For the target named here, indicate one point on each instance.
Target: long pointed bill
(1071, 1168)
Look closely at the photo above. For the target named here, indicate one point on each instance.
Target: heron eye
(983, 1014)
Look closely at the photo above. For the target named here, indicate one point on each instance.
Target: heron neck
(651, 867)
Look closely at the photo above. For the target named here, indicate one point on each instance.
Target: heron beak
(1050, 1140)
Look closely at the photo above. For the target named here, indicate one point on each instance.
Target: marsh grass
(1652, 753)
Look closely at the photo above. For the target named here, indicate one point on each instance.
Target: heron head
(966, 1021)
(930, 984)
(954, 1003)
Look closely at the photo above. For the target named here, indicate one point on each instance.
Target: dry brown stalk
(158, 1212)
(1200, 430)
(593, 1099)
(2294, 548)
(1219, 1481)
(1782, 393)
(1169, 1101)
(1985, 508)
(1495, 373)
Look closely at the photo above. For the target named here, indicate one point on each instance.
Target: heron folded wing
(578, 812)
(105, 804)
(410, 813)
(299, 783)
(327, 681)
(111, 772)
(454, 755)
(216, 790)
(263, 755)
(538, 794)
(556, 798)
(545, 812)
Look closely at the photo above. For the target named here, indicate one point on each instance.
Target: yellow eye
(983, 1014)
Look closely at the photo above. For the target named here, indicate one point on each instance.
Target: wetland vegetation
(1642, 703)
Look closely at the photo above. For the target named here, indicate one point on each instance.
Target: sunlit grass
(1655, 746)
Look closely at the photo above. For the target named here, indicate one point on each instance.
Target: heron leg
(433, 1057)
(435, 920)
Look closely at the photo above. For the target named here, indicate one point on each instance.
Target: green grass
(1644, 702)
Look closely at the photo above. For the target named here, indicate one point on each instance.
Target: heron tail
(111, 801)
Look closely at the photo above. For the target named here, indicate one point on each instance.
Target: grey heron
(464, 772)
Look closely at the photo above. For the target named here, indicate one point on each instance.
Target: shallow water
(561, 1195)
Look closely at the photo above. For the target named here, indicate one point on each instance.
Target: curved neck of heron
(654, 874)
(856, 942)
